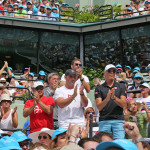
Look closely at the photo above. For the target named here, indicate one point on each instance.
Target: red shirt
(38, 118)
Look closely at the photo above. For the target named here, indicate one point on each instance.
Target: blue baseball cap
(7, 143)
(138, 76)
(10, 5)
(116, 3)
(31, 74)
(20, 6)
(42, 6)
(58, 131)
(118, 66)
(135, 71)
(20, 136)
(127, 67)
(13, 76)
(20, 86)
(130, 9)
(137, 68)
(49, 8)
(54, 8)
(64, 4)
(42, 73)
(10, 68)
(119, 143)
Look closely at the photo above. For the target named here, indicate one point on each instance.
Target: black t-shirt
(111, 111)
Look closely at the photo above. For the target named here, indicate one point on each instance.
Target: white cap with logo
(108, 67)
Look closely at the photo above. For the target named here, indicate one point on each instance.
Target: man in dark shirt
(110, 100)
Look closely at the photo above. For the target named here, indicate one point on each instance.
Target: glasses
(24, 144)
(78, 64)
(138, 78)
(6, 101)
(44, 137)
(109, 71)
(39, 88)
(118, 72)
(90, 113)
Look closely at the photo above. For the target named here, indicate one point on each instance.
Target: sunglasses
(90, 113)
(39, 88)
(6, 101)
(109, 71)
(138, 78)
(23, 144)
(78, 64)
(118, 72)
(44, 137)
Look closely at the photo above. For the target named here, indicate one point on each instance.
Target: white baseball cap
(108, 67)
(37, 83)
(145, 84)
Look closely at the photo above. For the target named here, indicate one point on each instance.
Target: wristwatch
(138, 140)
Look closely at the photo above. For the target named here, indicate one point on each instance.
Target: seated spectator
(41, 11)
(129, 13)
(20, 13)
(41, 76)
(55, 13)
(26, 71)
(44, 136)
(5, 4)
(52, 4)
(9, 12)
(88, 143)
(118, 72)
(49, 16)
(22, 139)
(128, 71)
(134, 114)
(19, 91)
(15, 8)
(58, 138)
(9, 116)
(103, 136)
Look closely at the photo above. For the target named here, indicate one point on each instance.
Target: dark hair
(77, 59)
(84, 140)
(145, 145)
(98, 136)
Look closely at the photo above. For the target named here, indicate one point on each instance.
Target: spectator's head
(118, 66)
(49, 10)
(39, 87)
(133, 106)
(10, 8)
(25, 70)
(71, 77)
(53, 79)
(19, 88)
(15, 6)
(146, 145)
(88, 143)
(5, 3)
(2, 87)
(44, 136)
(3, 81)
(42, 75)
(5, 101)
(103, 136)
(88, 111)
(22, 139)
(44, 2)
(58, 138)
(137, 79)
(76, 64)
(129, 11)
(39, 146)
(145, 89)
(20, 7)
(8, 143)
(4, 74)
(54, 10)
(52, 2)
(119, 71)
(127, 68)
(109, 72)
(29, 4)
(119, 144)
(30, 76)
(64, 5)
(42, 9)
(137, 68)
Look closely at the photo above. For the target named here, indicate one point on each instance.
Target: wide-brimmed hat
(5, 97)
(34, 136)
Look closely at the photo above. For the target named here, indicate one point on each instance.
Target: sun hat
(29, 2)
(145, 84)
(15, 4)
(127, 67)
(2, 80)
(42, 6)
(58, 131)
(37, 83)
(34, 135)
(42, 73)
(118, 66)
(70, 72)
(7, 143)
(109, 66)
(31, 74)
(138, 76)
(5, 97)
(20, 136)
(4, 72)
(118, 143)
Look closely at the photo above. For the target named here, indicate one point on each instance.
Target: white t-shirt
(73, 113)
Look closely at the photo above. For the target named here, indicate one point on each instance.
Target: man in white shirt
(70, 100)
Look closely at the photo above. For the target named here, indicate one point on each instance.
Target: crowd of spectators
(40, 10)
(60, 110)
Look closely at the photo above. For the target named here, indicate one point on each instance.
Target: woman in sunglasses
(9, 116)
(44, 136)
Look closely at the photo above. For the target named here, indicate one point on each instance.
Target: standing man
(70, 99)
(53, 79)
(76, 65)
(40, 109)
(110, 100)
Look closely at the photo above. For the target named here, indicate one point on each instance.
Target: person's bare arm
(84, 100)
(15, 118)
(61, 102)
(2, 69)
(147, 111)
(47, 108)
(101, 104)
